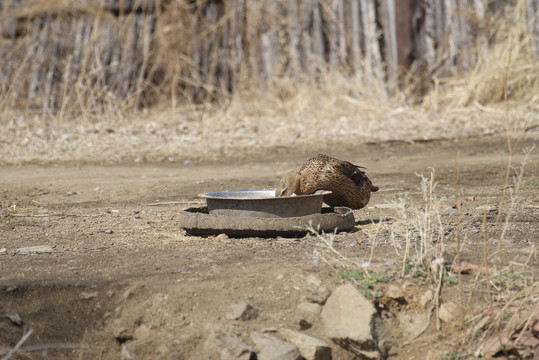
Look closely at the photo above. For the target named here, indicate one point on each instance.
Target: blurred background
(263, 73)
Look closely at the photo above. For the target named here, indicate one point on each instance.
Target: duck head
(288, 185)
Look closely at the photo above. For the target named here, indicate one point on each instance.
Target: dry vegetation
(58, 102)
(76, 85)
(498, 304)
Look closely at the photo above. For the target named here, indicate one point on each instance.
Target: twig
(428, 322)
(437, 297)
(173, 203)
(40, 347)
(51, 215)
(19, 344)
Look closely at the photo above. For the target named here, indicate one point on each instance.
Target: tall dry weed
(505, 66)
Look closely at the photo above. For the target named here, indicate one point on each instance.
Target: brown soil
(120, 260)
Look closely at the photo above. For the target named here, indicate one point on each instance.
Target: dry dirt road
(111, 262)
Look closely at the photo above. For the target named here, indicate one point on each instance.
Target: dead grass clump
(70, 69)
(506, 67)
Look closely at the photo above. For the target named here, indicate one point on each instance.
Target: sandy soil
(120, 260)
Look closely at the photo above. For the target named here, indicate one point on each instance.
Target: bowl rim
(214, 195)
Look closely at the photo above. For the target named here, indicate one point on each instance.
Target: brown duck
(349, 185)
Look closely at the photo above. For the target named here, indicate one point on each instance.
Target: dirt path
(119, 260)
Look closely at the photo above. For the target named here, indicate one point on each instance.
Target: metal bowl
(263, 203)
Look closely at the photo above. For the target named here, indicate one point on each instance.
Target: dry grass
(499, 302)
(98, 118)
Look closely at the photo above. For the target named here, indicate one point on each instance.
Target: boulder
(309, 347)
(271, 348)
(351, 321)
(225, 345)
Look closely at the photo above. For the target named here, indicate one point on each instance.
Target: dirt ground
(119, 259)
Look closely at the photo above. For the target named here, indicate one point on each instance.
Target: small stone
(226, 345)
(309, 347)
(142, 332)
(271, 348)
(14, 318)
(242, 311)
(309, 308)
(121, 332)
(412, 325)
(449, 312)
(222, 237)
(394, 292)
(132, 291)
(312, 279)
(317, 294)
(3, 251)
(127, 353)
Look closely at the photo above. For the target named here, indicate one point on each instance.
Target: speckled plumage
(349, 185)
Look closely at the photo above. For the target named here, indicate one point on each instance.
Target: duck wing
(345, 192)
(323, 169)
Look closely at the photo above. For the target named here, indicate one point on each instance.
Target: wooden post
(355, 36)
(533, 26)
(387, 10)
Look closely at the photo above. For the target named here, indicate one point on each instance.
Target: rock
(271, 348)
(142, 332)
(242, 311)
(314, 280)
(350, 321)
(309, 308)
(127, 353)
(222, 237)
(393, 297)
(121, 332)
(225, 345)
(317, 294)
(132, 291)
(387, 346)
(43, 249)
(14, 318)
(394, 292)
(307, 314)
(495, 344)
(412, 325)
(426, 298)
(449, 312)
(309, 347)
(3, 251)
